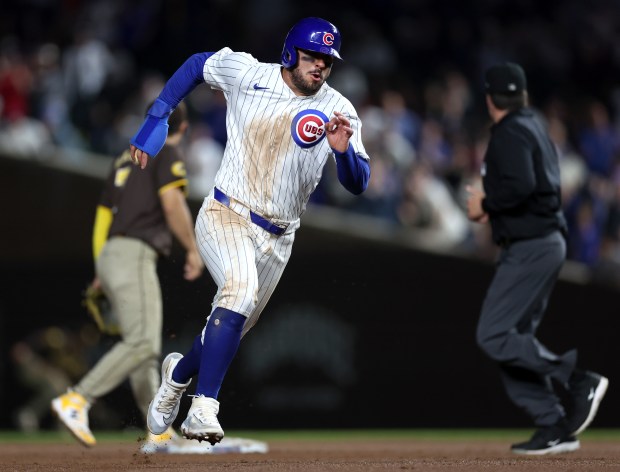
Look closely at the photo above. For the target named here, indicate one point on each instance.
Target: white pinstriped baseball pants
(245, 261)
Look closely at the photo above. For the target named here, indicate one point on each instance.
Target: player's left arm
(352, 168)
(172, 183)
(179, 220)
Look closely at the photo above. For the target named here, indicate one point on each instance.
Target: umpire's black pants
(512, 310)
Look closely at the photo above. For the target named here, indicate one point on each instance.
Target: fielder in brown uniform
(137, 216)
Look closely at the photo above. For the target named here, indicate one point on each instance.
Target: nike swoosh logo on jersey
(257, 87)
(591, 394)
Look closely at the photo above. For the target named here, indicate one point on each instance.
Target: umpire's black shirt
(521, 179)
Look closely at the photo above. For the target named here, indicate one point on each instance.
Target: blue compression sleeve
(353, 170)
(185, 79)
(221, 341)
(190, 364)
(151, 136)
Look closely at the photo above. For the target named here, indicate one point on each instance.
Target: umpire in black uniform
(521, 200)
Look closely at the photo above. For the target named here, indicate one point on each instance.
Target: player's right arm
(219, 69)
(152, 135)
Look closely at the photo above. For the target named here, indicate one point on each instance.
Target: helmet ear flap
(289, 57)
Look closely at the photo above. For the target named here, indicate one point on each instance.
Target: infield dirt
(342, 456)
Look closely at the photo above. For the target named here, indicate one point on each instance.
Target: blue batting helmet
(311, 34)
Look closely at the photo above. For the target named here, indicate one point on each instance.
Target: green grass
(454, 435)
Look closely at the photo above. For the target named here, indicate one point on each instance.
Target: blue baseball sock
(221, 341)
(189, 366)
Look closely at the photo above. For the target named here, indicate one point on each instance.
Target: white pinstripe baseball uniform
(273, 161)
(279, 138)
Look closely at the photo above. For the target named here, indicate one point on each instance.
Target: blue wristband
(160, 109)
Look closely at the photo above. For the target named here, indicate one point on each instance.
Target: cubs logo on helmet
(308, 128)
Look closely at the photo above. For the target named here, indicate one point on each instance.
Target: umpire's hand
(474, 205)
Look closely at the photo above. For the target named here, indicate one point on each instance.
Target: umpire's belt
(507, 242)
(255, 217)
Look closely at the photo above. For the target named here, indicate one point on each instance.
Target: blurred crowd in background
(79, 75)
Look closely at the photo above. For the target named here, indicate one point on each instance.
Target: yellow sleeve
(103, 220)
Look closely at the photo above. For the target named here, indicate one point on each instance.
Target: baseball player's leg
(226, 245)
(272, 259)
(128, 272)
(220, 342)
(246, 263)
(189, 365)
(223, 332)
(144, 382)
(177, 372)
(221, 338)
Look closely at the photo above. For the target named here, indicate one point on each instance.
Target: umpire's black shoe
(586, 390)
(548, 440)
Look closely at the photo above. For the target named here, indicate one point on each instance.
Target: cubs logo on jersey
(308, 128)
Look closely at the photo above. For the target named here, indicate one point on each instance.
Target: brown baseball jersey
(129, 192)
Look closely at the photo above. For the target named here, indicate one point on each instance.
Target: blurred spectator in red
(20, 133)
(15, 82)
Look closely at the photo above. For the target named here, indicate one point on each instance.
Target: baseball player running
(283, 123)
(137, 216)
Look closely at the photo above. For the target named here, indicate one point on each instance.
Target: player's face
(311, 72)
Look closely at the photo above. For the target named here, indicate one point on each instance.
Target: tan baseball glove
(98, 307)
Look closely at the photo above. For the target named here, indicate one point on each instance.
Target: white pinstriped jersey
(264, 165)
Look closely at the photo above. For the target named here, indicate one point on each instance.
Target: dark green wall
(358, 333)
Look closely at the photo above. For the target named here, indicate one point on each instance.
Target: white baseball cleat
(164, 408)
(201, 422)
